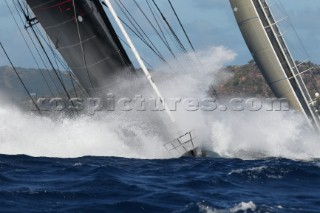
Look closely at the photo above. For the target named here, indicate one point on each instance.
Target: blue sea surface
(106, 184)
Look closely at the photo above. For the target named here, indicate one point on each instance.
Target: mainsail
(84, 36)
(263, 37)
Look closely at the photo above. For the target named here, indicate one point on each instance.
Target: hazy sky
(208, 22)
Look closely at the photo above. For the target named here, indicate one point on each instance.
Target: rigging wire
(29, 21)
(40, 56)
(55, 71)
(138, 25)
(73, 86)
(147, 44)
(59, 60)
(150, 66)
(60, 78)
(54, 53)
(81, 45)
(50, 62)
(44, 50)
(185, 32)
(157, 22)
(130, 18)
(31, 25)
(34, 29)
(29, 48)
(154, 28)
(140, 28)
(170, 28)
(181, 47)
(138, 34)
(19, 77)
(158, 16)
(55, 56)
(44, 63)
(315, 83)
(49, 45)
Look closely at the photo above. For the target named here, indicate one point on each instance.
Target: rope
(50, 62)
(156, 20)
(29, 48)
(80, 40)
(141, 57)
(146, 43)
(57, 58)
(43, 62)
(48, 58)
(185, 33)
(315, 82)
(170, 28)
(155, 49)
(157, 32)
(138, 34)
(167, 31)
(37, 50)
(20, 79)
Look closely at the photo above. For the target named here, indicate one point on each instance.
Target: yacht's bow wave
(235, 134)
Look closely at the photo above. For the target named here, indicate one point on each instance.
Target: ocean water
(108, 184)
(267, 159)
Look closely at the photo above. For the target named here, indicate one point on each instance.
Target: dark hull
(99, 58)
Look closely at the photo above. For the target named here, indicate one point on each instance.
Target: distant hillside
(248, 81)
(11, 87)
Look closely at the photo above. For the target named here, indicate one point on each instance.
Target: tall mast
(139, 59)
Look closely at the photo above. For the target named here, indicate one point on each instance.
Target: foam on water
(241, 207)
(21, 133)
(121, 134)
(252, 135)
(243, 135)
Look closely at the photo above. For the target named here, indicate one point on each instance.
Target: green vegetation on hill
(247, 80)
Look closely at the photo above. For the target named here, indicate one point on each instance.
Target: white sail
(268, 48)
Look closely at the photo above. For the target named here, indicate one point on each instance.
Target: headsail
(268, 48)
(83, 34)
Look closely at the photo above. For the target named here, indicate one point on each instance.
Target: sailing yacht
(84, 36)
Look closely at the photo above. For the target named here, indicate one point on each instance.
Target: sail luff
(257, 40)
(271, 54)
(297, 75)
(288, 57)
(285, 49)
(286, 67)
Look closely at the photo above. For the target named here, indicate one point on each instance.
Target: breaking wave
(246, 135)
(254, 135)
(241, 207)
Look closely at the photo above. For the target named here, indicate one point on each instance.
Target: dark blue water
(97, 184)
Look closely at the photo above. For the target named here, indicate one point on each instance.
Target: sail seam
(58, 25)
(77, 44)
(93, 64)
